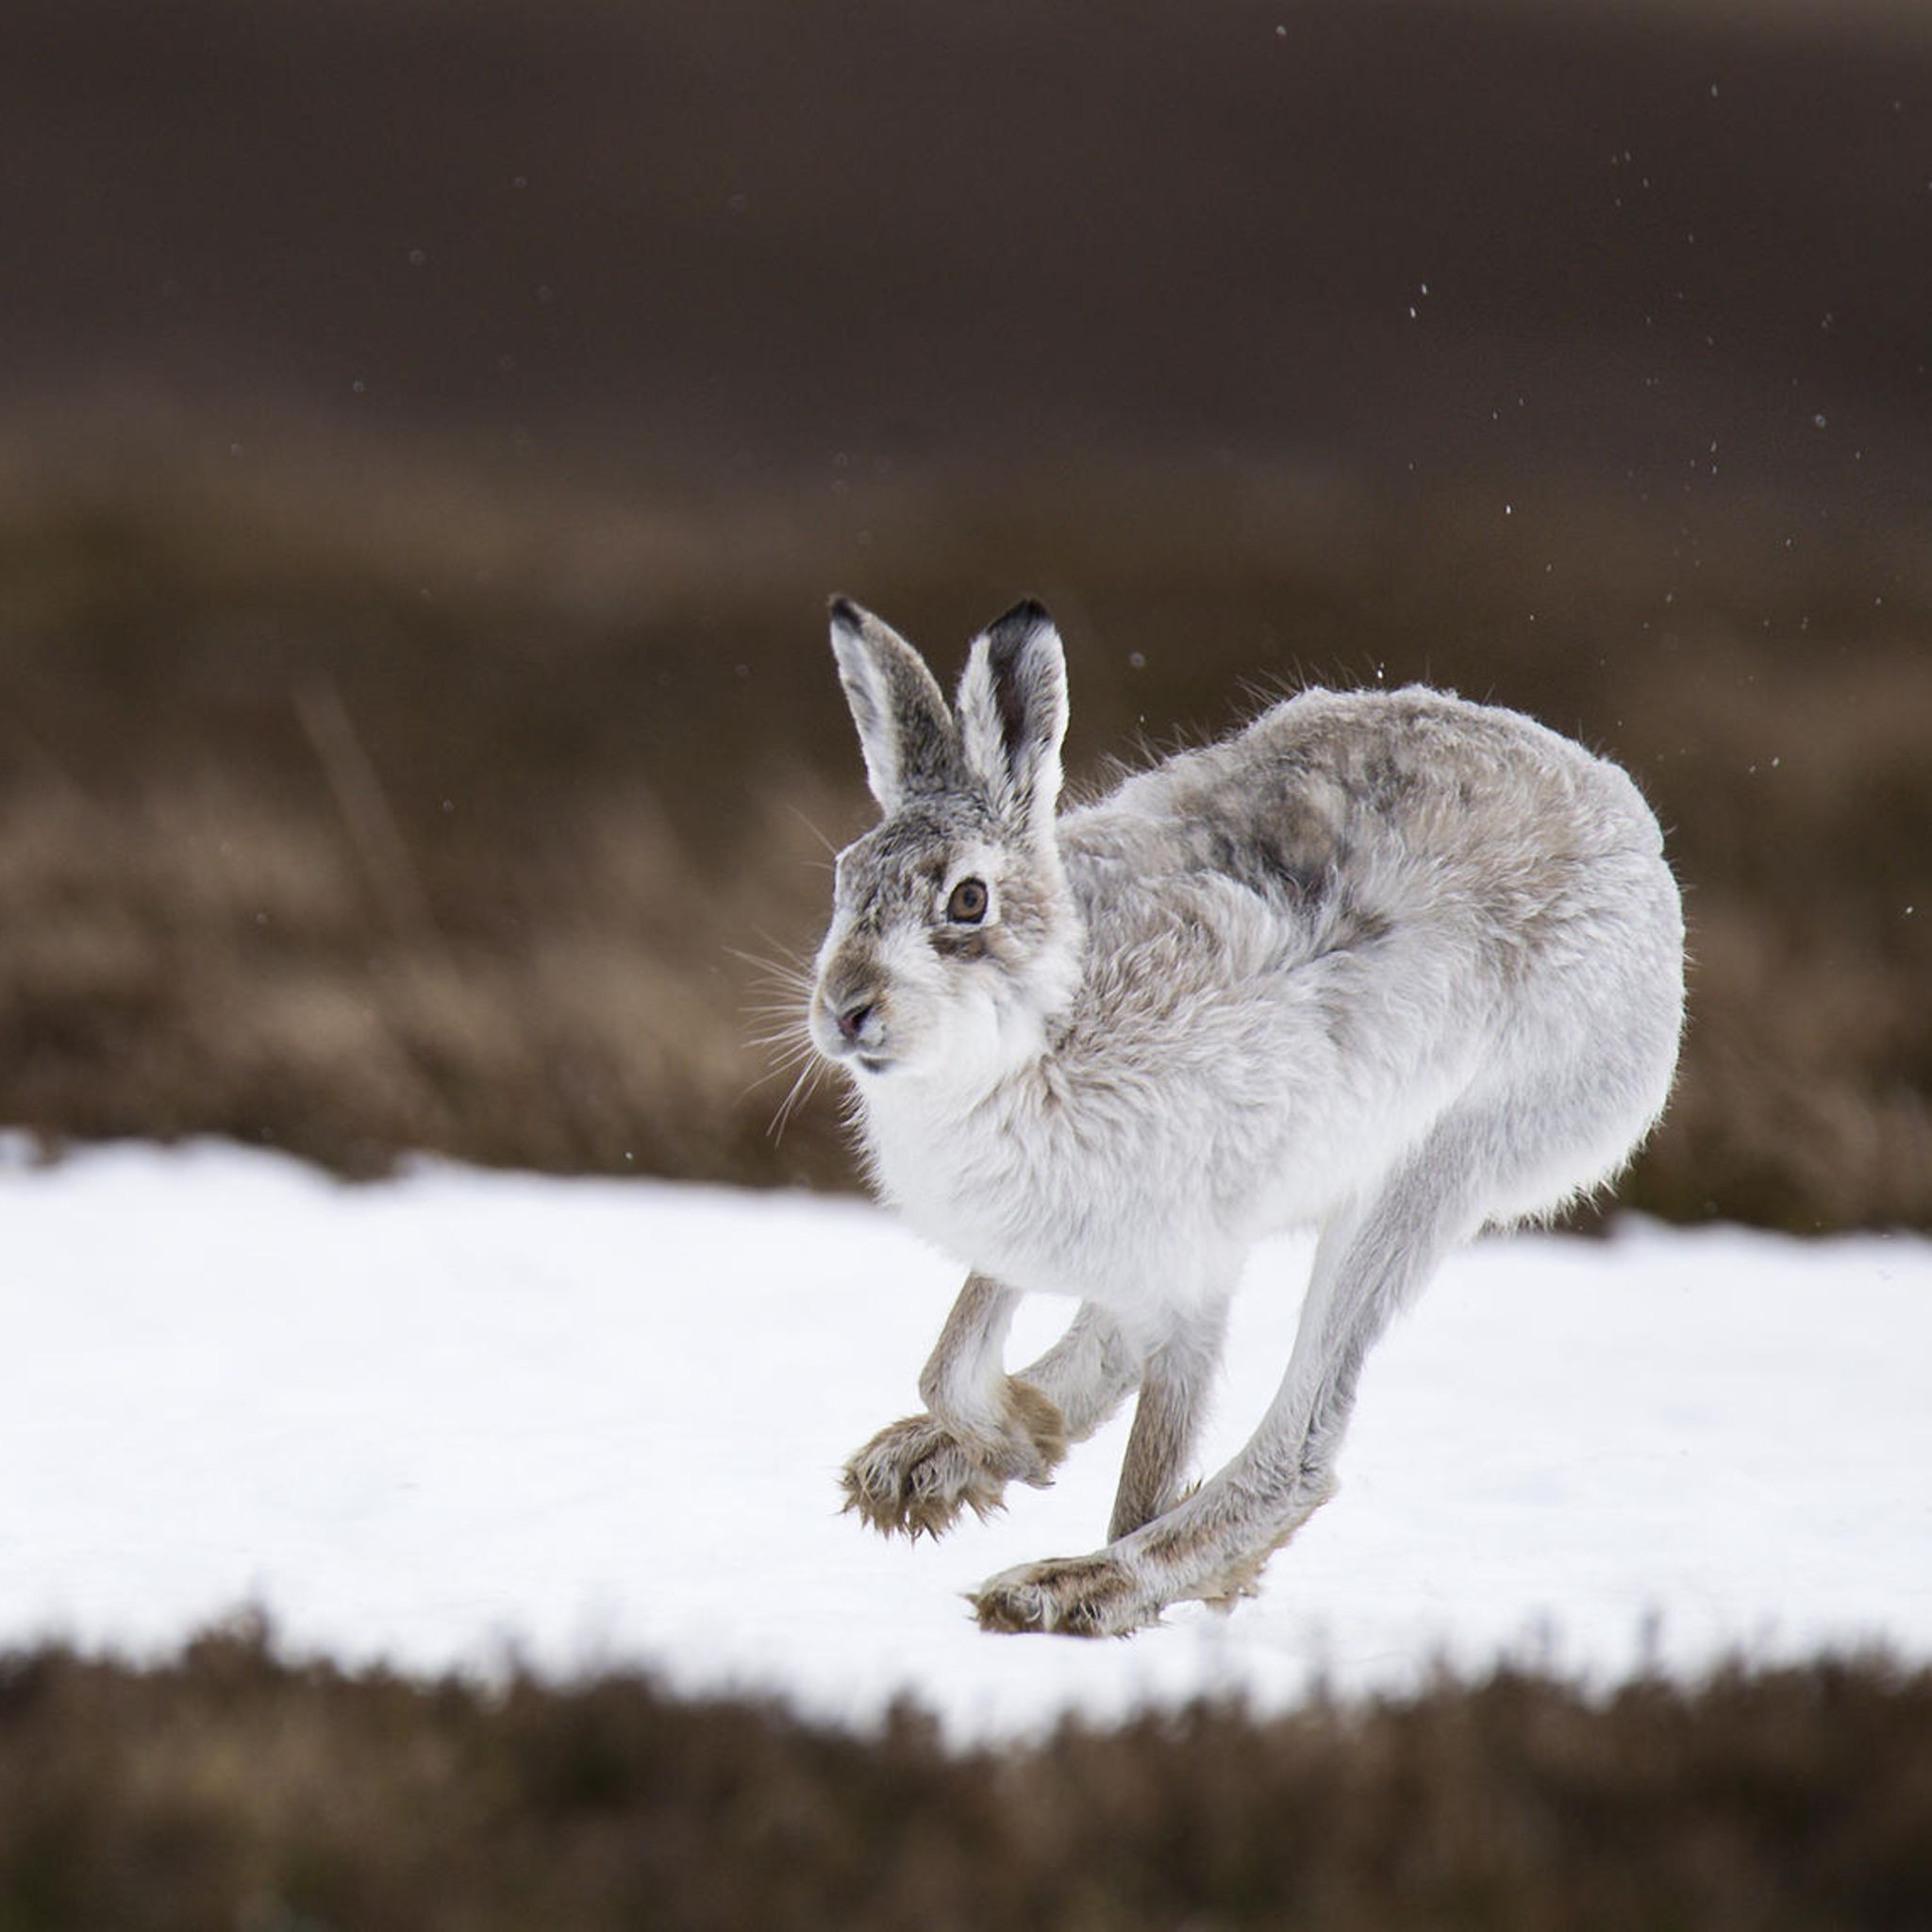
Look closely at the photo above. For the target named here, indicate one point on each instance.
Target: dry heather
(352, 811)
(430, 433)
(231, 1789)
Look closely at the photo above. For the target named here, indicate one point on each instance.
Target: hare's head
(953, 940)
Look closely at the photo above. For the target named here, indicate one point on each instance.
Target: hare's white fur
(1385, 964)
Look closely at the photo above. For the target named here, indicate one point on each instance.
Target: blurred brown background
(431, 428)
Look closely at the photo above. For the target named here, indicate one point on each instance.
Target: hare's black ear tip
(844, 613)
(1019, 624)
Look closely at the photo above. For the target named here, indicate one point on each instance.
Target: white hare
(1385, 964)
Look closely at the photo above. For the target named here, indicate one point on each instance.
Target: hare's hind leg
(984, 1429)
(1167, 1423)
(1213, 1545)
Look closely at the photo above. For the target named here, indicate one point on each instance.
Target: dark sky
(738, 238)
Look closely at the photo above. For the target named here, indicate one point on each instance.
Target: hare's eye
(967, 905)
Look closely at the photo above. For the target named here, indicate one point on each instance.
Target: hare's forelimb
(1212, 1544)
(963, 1380)
(984, 1429)
(1087, 1372)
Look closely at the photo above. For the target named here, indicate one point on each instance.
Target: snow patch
(461, 1415)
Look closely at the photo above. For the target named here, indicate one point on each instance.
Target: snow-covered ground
(461, 1415)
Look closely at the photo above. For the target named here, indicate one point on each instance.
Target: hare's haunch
(1385, 964)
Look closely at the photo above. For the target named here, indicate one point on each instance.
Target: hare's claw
(915, 1477)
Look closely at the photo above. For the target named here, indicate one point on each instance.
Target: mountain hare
(1385, 964)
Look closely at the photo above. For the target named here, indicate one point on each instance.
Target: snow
(462, 1417)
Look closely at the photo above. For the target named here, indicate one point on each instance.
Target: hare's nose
(852, 1019)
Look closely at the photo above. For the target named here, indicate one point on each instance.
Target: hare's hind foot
(1071, 1596)
(915, 1477)
(1180, 1557)
(1100, 1595)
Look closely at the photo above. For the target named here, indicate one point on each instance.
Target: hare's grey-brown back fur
(1385, 964)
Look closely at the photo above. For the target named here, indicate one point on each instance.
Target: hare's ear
(904, 729)
(1013, 715)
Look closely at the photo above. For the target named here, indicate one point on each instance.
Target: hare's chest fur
(1054, 1196)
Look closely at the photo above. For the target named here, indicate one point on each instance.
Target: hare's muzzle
(850, 1020)
(853, 1020)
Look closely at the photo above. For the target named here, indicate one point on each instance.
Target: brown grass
(231, 1787)
(428, 433)
(356, 833)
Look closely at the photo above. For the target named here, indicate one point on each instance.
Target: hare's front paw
(916, 1475)
(1076, 1596)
